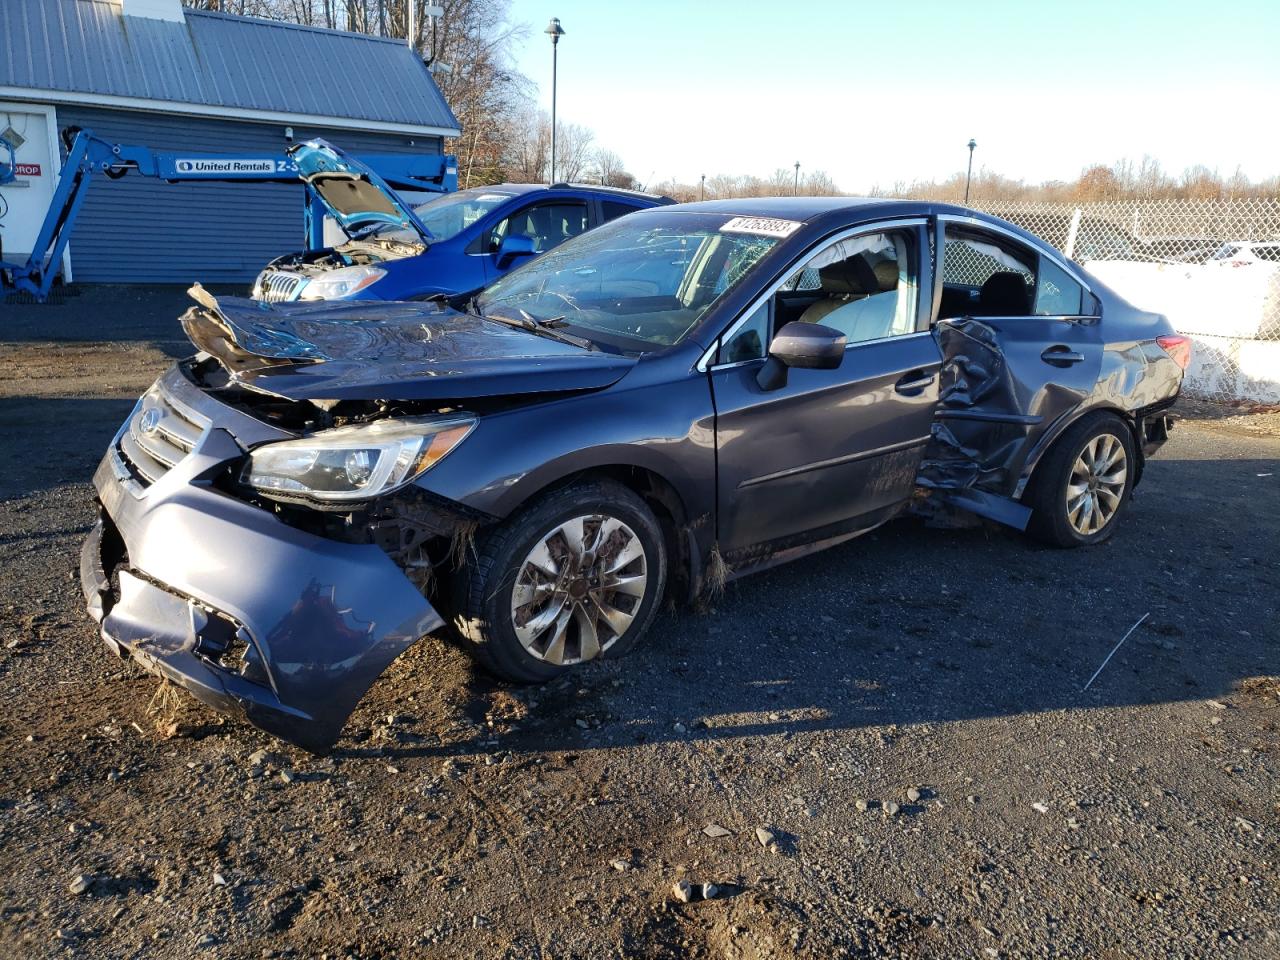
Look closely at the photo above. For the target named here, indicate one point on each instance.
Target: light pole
(555, 32)
(795, 189)
(702, 188)
(969, 176)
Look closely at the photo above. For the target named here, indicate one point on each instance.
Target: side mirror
(514, 245)
(808, 346)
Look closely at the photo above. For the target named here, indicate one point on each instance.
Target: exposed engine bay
(353, 253)
(286, 277)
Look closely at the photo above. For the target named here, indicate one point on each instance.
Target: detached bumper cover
(248, 614)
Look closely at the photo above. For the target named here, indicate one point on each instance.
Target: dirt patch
(903, 713)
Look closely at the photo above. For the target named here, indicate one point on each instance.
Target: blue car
(454, 244)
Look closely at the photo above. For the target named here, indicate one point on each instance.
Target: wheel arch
(685, 533)
(1056, 432)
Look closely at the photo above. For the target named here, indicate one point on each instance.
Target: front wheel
(576, 575)
(1083, 485)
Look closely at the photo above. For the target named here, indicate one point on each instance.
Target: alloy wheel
(1095, 488)
(579, 589)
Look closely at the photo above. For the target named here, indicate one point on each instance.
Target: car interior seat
(544, 229)
(1004, 294)
(861, 298)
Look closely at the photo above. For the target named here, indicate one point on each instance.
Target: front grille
(158, 435)
(275, 286)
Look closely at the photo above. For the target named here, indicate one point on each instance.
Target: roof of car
(790, 208)
(518, 189)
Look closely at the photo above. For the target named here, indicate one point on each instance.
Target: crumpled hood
(370, 350)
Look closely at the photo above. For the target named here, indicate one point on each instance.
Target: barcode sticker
(763, 226)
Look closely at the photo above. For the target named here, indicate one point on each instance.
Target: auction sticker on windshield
(761, 226)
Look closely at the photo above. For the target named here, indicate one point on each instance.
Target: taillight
(1177, 347)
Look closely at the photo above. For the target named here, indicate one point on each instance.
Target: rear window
(1057, 295)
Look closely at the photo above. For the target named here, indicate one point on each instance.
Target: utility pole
(555, 32)
(969, 176)
(702, 188)
(795, 190)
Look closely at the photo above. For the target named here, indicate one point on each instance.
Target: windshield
(449, 215)
(647, 277)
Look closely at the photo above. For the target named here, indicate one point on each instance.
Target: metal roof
(215, 64)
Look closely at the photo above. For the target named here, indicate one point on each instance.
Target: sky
(886, 91)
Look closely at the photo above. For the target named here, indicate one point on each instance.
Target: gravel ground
(903, 715)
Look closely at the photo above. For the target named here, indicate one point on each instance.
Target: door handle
(914, 382)
(1061, 356)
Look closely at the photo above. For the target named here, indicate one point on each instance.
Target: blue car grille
(274, 286)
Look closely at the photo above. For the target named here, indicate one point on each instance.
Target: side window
(1057, 295)
(613, 209)
(985, 277)
(747, 342)
(546, 224)
(864, 286)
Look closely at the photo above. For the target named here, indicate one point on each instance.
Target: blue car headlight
(341, 283)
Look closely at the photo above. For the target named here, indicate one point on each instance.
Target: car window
(985, 275)
(640, 281)
(613, 209)
(547, 224)
(971, 259)
(747, 341)
(1057, 294)
(448, 215)
(865, 287)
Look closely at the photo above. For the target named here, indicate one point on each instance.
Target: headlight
(354, 462)
(337, 284)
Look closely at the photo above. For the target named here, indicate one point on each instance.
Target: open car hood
(352, 193)
(369, 350)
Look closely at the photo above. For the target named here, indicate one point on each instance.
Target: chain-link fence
(1211, 266)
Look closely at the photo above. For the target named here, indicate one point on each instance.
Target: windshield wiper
(527, 321)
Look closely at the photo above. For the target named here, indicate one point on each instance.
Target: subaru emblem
(149, 421)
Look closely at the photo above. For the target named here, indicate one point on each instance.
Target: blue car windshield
(648, 277)
(447, 216)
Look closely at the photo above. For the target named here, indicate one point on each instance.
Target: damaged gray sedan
(680, 397)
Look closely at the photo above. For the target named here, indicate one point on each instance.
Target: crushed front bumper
(248, 614)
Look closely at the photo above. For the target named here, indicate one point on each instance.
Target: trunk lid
(371, 350)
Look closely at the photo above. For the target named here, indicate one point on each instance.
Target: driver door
(830, 451)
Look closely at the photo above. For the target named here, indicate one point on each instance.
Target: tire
(1063, 517)
(540, 639)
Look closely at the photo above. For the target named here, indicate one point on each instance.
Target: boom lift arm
(88, 154)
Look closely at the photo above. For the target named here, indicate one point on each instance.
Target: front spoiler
(250, 615)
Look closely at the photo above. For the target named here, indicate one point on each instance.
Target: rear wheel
(1083, 485)
(574, 576)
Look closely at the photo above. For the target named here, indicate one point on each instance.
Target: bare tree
(574, 152)
(610, 171)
